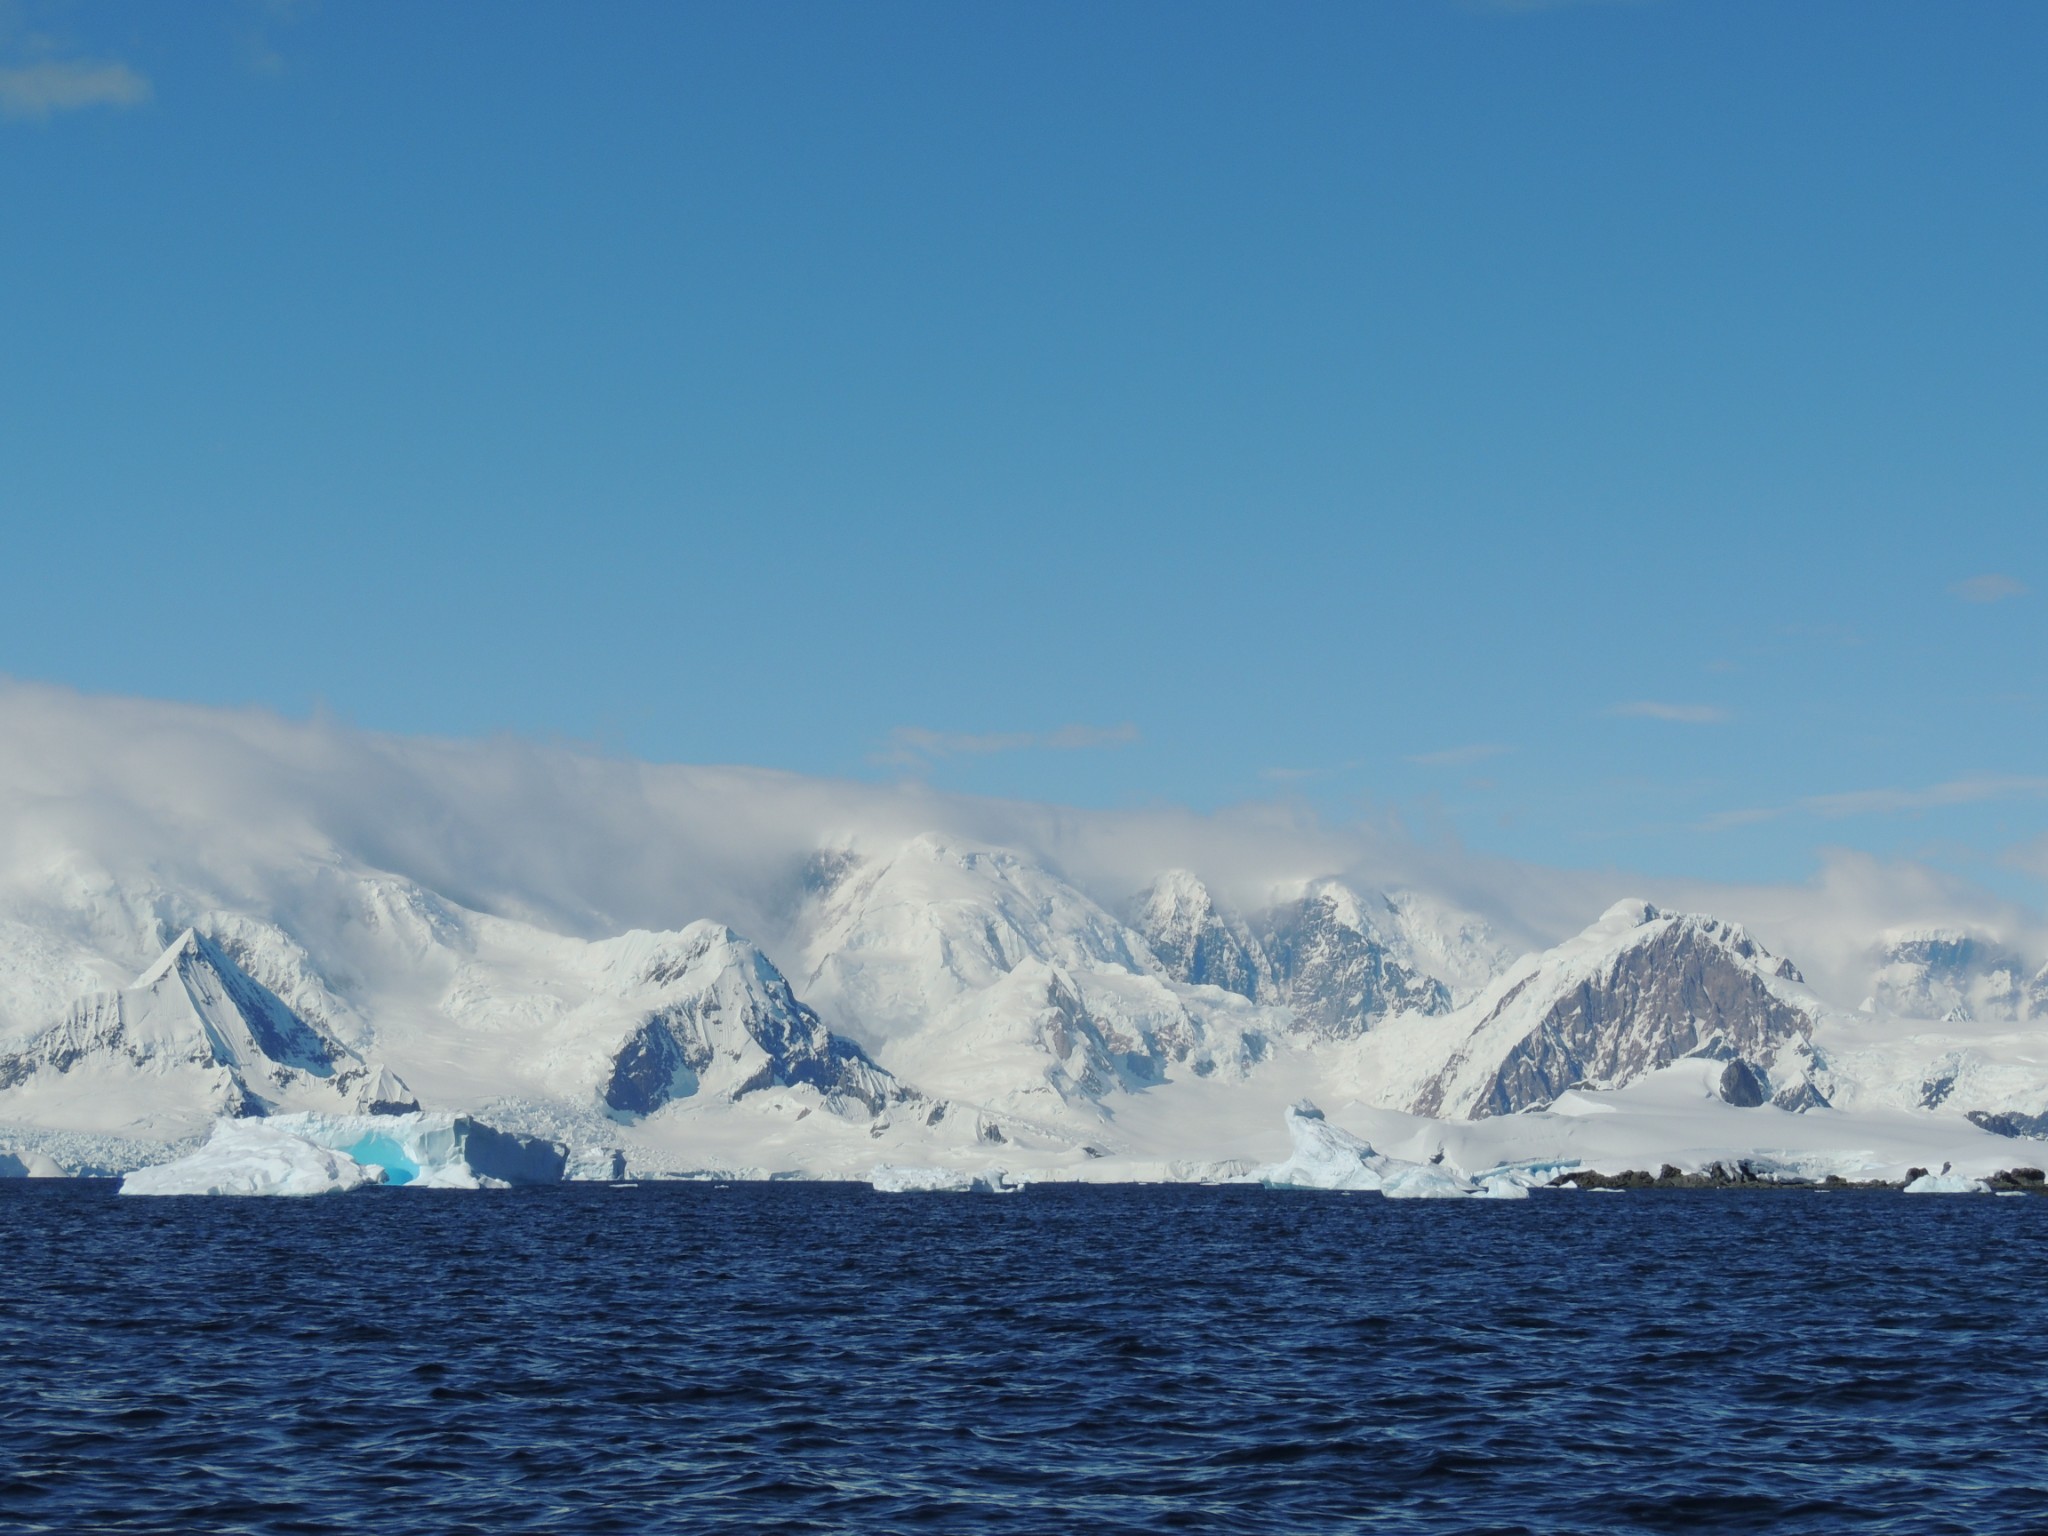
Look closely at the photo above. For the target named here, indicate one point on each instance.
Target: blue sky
(1602, 434)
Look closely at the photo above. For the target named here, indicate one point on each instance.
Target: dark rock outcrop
(2009, 1123)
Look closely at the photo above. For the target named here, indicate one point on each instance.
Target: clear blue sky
(1574, 428)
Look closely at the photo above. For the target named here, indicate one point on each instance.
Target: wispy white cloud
(1973, 789)
(916, 744)
(1990, 588)
(40, 90)
(1460, 757)
(256, 809)
(1684, 714)
(2030, 856)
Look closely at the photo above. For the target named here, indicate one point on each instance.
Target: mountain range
(932, 996)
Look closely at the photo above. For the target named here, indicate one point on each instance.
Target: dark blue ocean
(822, 1358)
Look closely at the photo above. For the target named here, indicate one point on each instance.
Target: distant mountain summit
(1953, 975)
(1337, 965)
(1339, 961)
(716, 1017)
(1195, 941)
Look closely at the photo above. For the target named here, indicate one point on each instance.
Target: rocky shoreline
(1742, 1174)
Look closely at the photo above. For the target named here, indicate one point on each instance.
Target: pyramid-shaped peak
(185, 948)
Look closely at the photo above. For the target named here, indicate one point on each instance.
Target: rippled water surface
(825, 1358)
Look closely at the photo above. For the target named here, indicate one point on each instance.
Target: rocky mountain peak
(1197, 942)
(719, 1017)
(1336, 964)
(1633, 993)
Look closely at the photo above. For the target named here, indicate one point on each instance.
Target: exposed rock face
(724, 1018)
(2011, 1124)
(1743, 1086)
(1198, 943)
(1634, 993)
(1334, 967)
(1337, 960)
(197, 1019)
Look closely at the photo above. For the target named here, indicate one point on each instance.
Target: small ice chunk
(1947, 1184)
(896, 1179)
(1502, 1186)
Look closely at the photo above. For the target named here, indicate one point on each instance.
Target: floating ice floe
(1327, 1158)
(1946, 1183)
(891, 1179)
(313, 1154)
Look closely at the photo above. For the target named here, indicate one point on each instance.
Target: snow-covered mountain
(875, 992)
(1198, 942)
(710, 1014)
(1338, 959)
(983, 977)
(194, 1037)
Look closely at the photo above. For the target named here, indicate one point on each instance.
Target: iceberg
(312, 1154)
(1503, 1187)
(1327, 1158)
(253, 1157)
(892, 1179)
(434, 1150)
(29, 1165)
(1946, 1183)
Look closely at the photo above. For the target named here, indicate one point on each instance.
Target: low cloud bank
(231, 801)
